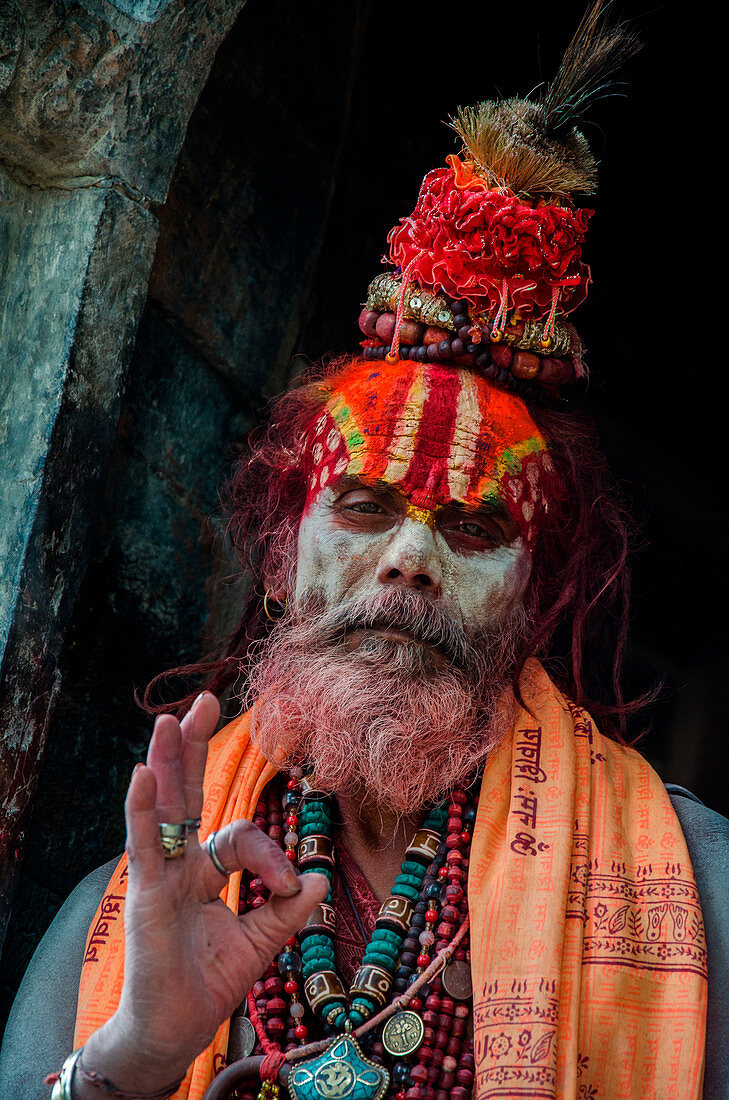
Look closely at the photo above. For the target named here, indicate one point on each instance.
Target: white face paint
(356, 538)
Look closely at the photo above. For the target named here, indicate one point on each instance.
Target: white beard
(398, 724)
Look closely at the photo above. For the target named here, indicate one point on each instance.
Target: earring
(267, 613)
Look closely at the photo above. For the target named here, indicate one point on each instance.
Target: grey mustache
(411, 615)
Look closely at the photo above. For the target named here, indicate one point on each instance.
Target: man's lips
(355, 636)
(392, 627)
(395, 632)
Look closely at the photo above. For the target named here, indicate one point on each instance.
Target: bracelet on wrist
(73, 1067)
(62, 1082)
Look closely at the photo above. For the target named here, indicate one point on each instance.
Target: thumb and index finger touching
(242, 845)
(292, 896)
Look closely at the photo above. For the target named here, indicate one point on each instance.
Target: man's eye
(365, 507)
(487, 534)
(476, 531)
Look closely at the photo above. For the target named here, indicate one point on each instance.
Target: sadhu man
(416, 868)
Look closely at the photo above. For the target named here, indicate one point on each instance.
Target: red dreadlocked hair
(578, 598)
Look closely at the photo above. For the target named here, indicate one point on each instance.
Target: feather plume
(533, 146)
(587, 71)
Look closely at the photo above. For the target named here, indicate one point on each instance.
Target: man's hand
(189, 960)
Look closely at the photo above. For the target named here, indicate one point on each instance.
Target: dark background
(308, 143)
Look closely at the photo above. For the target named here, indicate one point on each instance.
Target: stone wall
(94, 106)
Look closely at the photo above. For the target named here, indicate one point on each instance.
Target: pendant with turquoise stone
(341, 1072)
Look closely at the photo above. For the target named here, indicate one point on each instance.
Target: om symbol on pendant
(335, 1080)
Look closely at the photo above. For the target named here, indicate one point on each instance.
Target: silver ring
(212, 852)
(193, 824)
(173, 839)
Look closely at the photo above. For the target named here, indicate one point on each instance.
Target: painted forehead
(434, 432)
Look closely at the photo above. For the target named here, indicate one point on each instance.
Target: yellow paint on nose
(421, 515)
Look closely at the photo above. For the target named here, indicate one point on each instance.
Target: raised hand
(189, 960)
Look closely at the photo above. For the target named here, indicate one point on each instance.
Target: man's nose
(411, 559)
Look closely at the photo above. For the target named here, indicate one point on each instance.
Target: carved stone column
(94, 103)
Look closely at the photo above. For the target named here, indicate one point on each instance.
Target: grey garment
(707, 839)
(39, 1034)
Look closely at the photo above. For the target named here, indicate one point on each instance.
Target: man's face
(359, 540)
(389, 672)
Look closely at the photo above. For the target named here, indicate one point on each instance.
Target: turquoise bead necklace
(372, 983)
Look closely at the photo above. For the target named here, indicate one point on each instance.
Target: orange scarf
(587, 940)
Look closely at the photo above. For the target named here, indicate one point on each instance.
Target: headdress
(488, 267)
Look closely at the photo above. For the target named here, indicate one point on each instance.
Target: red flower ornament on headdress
(490, 247)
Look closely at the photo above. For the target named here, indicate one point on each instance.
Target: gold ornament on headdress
(383, 295)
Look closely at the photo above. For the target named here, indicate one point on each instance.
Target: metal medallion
(342, 1071)
(403, 1033)
(456, 979)
(242, 1038)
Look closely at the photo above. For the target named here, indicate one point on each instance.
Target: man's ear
(274, 589)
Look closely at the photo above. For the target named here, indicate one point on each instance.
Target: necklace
(372, 982)
(415, 926)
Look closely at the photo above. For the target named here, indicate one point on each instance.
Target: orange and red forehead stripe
(437, 433)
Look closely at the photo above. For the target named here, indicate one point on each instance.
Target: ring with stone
(213, 853)
(173, 838)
